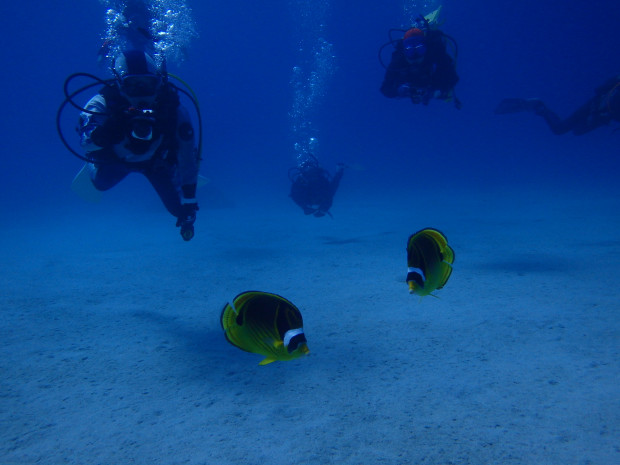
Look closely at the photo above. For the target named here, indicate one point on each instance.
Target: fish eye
(295, 343)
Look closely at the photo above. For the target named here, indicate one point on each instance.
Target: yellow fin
(267, 361)
(433, 17)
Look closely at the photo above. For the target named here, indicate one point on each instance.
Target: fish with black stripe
(266, 324)
(429, 261)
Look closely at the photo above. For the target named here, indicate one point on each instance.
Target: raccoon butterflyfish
(266, 324)
(429, 261)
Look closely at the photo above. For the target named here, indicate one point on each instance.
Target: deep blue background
(240, 68)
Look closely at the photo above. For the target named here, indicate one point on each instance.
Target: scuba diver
(136, 124)
(600, 110)
(313, 188)
(421, 68)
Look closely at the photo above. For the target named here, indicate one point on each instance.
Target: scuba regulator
(143, 129)
(142, 123)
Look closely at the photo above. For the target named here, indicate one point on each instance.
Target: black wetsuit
(436, 71)
(168, 159)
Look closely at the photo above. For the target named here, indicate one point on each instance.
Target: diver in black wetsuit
(137, 125)
(420, 68)
(599, 111)
(313, 188)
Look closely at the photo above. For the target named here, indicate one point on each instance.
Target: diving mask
(141, 85)
(414, 47)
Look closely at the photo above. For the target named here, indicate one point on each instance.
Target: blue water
(259, 116)
(241, 66)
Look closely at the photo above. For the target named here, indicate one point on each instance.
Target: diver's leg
(107, 175)
(337, 177)
(556, 124)
(590, 117)
(536, 106)
(299, 194)
(161, 178)
(584, 119)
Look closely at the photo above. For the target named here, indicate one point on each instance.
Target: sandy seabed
(111, 351)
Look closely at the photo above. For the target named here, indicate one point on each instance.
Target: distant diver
(313, 187)
(421, 68)
(599, 111)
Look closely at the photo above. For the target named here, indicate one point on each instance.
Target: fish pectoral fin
(267, 361)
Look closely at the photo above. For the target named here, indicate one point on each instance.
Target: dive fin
(433, 17)
(83, 186)
(202, 181)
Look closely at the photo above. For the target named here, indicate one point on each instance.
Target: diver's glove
(187, 219)
(447, 96)
(421, 95)
(404, 90)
